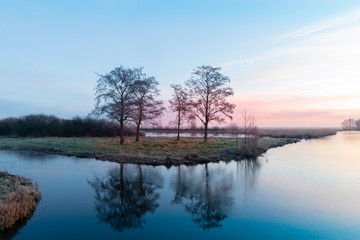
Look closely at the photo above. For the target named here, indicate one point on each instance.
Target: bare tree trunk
(206, 117)
(137, 132)
(178, 129)
(206, 131)
(178, 133)
(121, 132)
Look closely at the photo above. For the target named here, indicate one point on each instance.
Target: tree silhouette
(114, 95)
(209, 91)
(180, 104)
(349, 124)
(145, 107)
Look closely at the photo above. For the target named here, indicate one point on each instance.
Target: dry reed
(20, 201)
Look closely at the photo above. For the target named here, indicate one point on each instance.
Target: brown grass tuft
(20, 203)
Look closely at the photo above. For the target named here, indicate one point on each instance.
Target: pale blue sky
(51, 50)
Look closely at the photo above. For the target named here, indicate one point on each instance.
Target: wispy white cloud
(312, 74)
(271, 54)
(344, 22)
(343, 19)
(308, 30)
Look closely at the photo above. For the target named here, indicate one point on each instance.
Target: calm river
(307, 190)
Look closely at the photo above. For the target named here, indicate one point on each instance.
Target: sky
(291, 63)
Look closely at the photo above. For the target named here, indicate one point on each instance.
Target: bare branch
(208, 90)
(114, 95)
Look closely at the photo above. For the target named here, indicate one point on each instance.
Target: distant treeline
(351, 124)
(50, 126)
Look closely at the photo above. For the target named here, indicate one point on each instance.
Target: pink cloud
(295, 111)
(275, 110)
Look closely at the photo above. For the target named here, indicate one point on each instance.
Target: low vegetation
(301, 133)
(40, 125)
(150, 150)
(18, 199)
(148, 146)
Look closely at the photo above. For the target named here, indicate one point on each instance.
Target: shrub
(50, 126)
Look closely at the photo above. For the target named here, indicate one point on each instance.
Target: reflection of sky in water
(308, 190)
(316, 182)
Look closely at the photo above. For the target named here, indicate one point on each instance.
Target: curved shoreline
(18, 199)
(188, 159)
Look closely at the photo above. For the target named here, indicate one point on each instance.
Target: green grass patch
(147, 147)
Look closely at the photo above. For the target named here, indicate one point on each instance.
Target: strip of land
(18, 199)
(150, 150)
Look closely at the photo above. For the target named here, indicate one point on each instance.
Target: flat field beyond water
(154, 146)
(146, 147)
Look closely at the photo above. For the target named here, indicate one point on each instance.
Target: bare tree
(209, 91)
(250, 144)
(145, 108)
(180, 104)
(357, 124)
(114, 95)
(349, 124)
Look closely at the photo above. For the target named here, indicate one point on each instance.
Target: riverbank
(18, 199)
(150, 151)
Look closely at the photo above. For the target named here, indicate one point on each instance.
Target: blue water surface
(307, 190)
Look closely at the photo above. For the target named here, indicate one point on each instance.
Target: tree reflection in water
(246, 171)
(123, 198)
(122, 201)
(205, 194)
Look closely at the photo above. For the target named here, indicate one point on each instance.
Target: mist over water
(307, 190)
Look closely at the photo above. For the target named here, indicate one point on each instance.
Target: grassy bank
(18, 198)
(150, 150)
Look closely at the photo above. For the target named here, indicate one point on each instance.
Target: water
(307, 190)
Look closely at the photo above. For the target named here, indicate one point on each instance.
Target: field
(147, 147)
(302, 133)
(156, 149)
(153, 150)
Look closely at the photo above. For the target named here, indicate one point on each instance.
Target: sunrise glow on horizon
(312, 81)
(291, 64)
